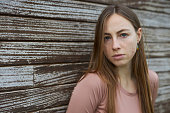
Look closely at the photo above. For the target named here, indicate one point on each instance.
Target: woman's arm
(154, 85)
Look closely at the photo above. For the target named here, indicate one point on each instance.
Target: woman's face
(120, 40)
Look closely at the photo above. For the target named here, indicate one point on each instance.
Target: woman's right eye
(107, 37)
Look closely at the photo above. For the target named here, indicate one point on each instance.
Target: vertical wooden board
(14, 77)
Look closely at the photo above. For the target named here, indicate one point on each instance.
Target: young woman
(118, 79)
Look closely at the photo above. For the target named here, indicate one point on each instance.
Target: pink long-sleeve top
(90, 96)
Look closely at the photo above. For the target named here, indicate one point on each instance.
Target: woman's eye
(107, 37)
(124, 35)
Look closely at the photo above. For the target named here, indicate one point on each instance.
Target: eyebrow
(118, 31)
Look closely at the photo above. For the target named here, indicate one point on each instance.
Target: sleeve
(86, 95)
(154, 85)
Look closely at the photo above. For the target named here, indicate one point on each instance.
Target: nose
(115, 44)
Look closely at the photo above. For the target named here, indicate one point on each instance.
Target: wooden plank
(23, 53)
(35, 99)
(164, 79)
(163, 94)
(19, 77)
(74, 10)
(163, 106)
(157, 50)
(163, 100)
(159, 64)
(23, 77)
(153, 19)
(58, 74)
(20, 28)
(60, 109)
(156, 35)
(156, 6)
(16, 77)
(43, 52)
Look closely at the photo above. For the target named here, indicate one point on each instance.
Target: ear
(139, 35)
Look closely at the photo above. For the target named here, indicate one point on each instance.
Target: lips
(118, 56)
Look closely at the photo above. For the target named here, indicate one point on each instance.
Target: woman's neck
(124, 72)
(126, 79)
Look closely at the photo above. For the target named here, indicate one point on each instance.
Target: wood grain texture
(23, 53)
(151, 5)
(52, 97)
(43, 52)
(164, 78)
(21, 28)
(35, 99)
(157, 35)
(31, 29)
(48, 98)
(14, 77)
(67, 9)
(163, 106)
(45, 46)
(24, 77)
(75, 10)
(60, 109)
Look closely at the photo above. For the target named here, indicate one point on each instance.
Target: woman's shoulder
(92, 80)
(154, 83)
(92, 85)
(154, 80)
(153, 76)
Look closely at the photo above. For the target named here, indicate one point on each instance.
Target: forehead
(116, 22)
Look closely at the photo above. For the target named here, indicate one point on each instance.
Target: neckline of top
(126, 92)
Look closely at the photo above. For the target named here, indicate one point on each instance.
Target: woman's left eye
(124, 35)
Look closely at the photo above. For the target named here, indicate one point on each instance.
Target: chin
(120, 64)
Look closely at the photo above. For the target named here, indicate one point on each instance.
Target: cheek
(107, 51)
(132, 49)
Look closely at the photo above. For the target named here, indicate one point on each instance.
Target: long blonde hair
(107, 71)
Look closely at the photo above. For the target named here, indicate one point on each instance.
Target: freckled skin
(123, 42)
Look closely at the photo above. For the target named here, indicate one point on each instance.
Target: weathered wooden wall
(45, 47)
